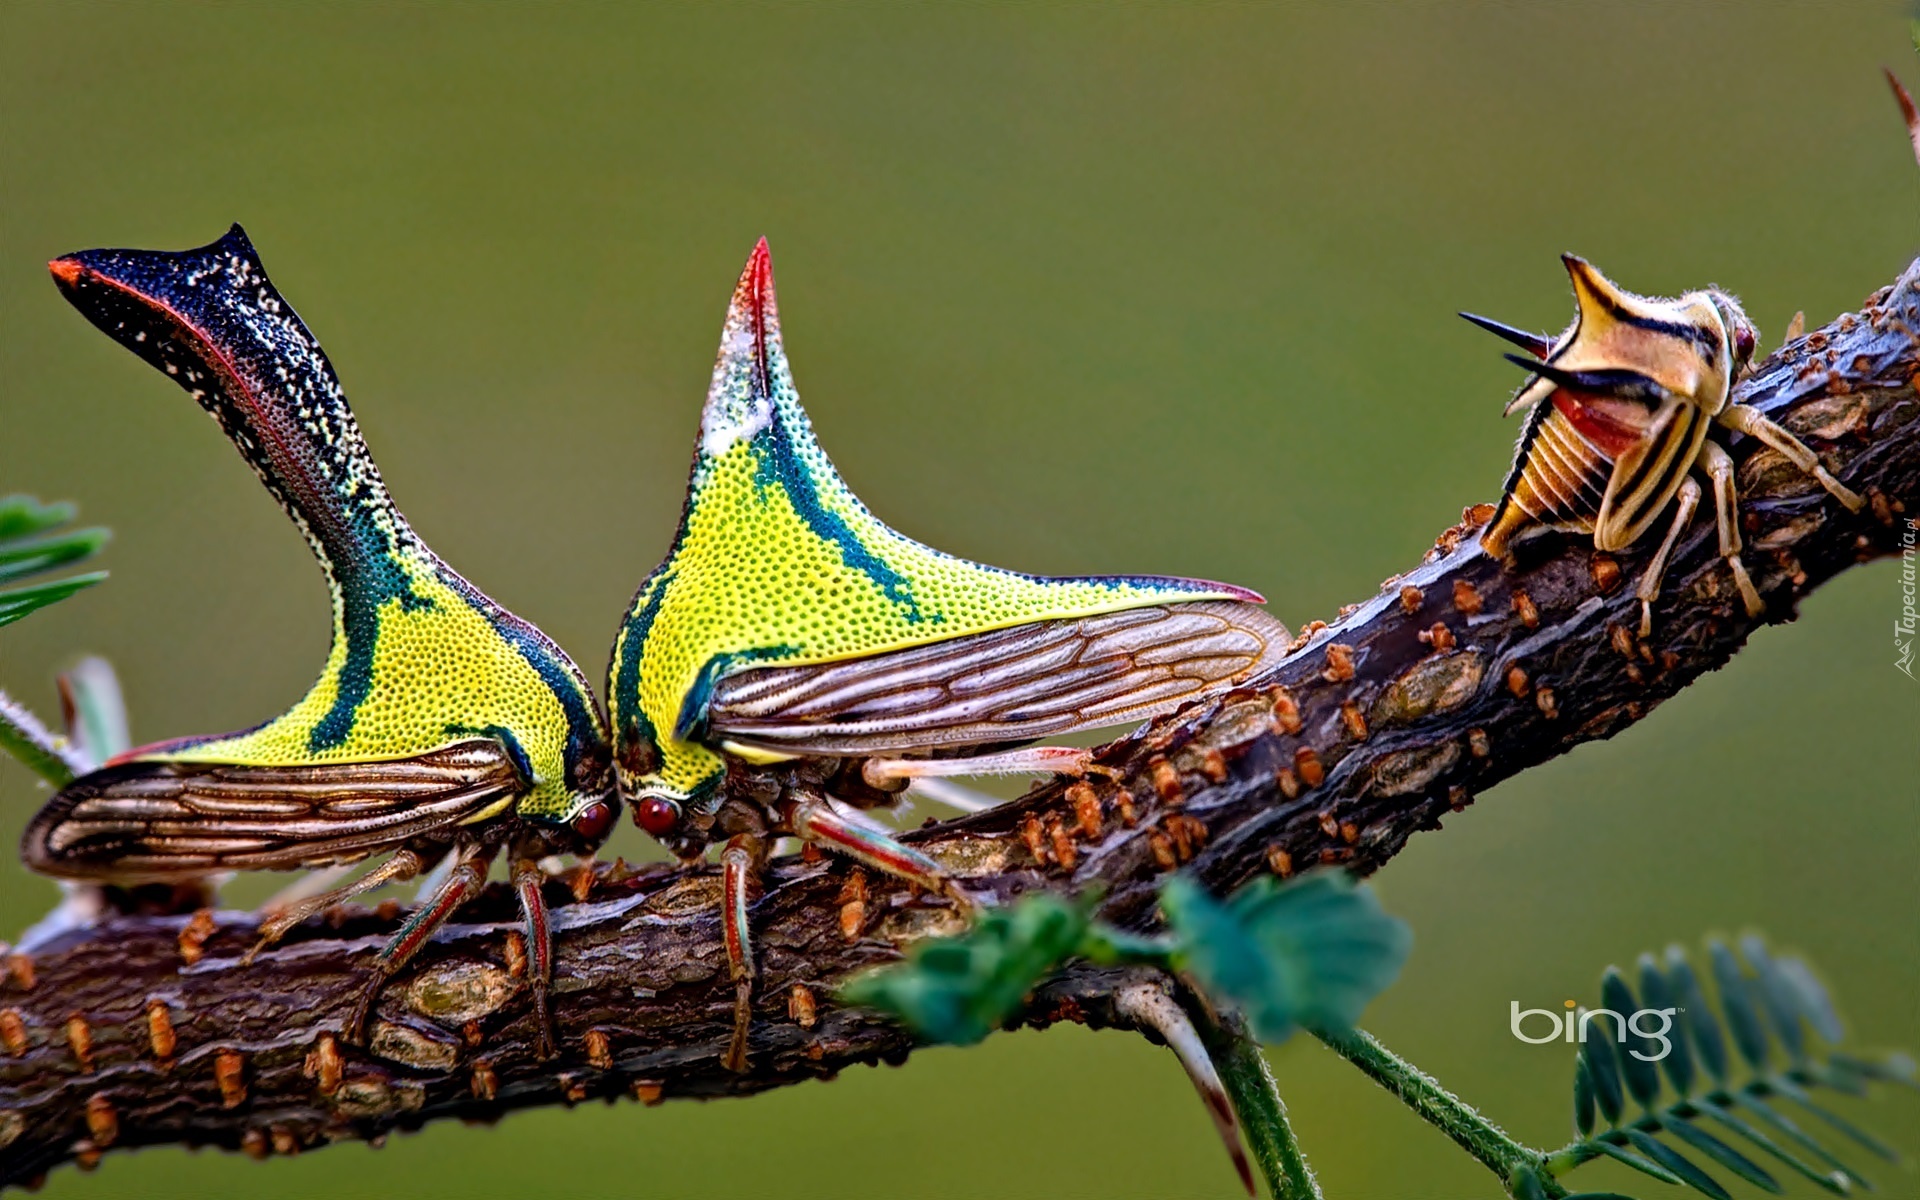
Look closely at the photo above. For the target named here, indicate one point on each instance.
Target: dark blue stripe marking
(780, 466)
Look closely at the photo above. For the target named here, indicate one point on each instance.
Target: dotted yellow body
(778, 563)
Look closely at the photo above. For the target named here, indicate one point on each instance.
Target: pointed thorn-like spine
(1150, 1008)
(1533, 343)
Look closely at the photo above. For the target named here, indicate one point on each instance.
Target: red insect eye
(1743, 342)
(594, 821)
(657, 816)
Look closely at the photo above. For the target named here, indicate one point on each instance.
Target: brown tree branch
(147, 1030)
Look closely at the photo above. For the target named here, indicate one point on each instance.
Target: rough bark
(1465, 671)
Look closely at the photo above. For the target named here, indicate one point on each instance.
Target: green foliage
(1310, 952)
(30, 546)
(1692, 1095)
(959, 989)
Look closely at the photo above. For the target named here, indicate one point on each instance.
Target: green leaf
(1798, 1136)
(1654, 993)
(1798, 1095)
(1603, 1068)
(1583, 1111)
(1644, 1166)
(1597, 1196)
(1526, 1185)
(29, 548)
(1720, 1152)
(23, 516)
(1678, 1163)
(1832, 1182)
(1778, 998)
(33, 556)
(1312, 951)
(960, 989)
(1702, 1030)
(1737, 1003)
(1895, 1068)
(1641, 1074)
(18, 602)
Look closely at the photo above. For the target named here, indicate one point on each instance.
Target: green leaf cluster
(1310, 952)
(1719, 1093)
(31, 544)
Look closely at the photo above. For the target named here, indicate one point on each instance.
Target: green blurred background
(1067, 289)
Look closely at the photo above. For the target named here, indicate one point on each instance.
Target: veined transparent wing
(1007, 686)
(156, 820)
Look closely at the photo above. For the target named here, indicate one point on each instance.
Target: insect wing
(155, 819)
(1009, 685)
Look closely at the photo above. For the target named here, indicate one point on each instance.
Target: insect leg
(739, 862)
(1718, 465)
(463, 882)
(952, 795)
(1743, 419)
(1031, 760)
(527, 879)
(1689, 499)
(403, 865)
(811, 820)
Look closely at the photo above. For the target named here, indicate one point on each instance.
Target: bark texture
(147, 1029)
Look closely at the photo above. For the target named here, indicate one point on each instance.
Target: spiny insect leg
(811, 820)
(469, 874)
(309, 884)
(1031, 760)
(1688, 498)
(527, 880)
(404, 865)
(1718, 465)
(1751, 421)
(738, 863)
(1150, 1008)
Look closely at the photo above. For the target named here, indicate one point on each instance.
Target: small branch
(1256, 1097)
(37, 748)
(1462, 673)
(1493, 1146)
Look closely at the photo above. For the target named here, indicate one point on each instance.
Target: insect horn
(1535, 344)
(1616, 382)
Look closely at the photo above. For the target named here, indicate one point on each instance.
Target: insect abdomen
(1558, 481)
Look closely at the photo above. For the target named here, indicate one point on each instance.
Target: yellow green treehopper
(442, 728)
(792, 649)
